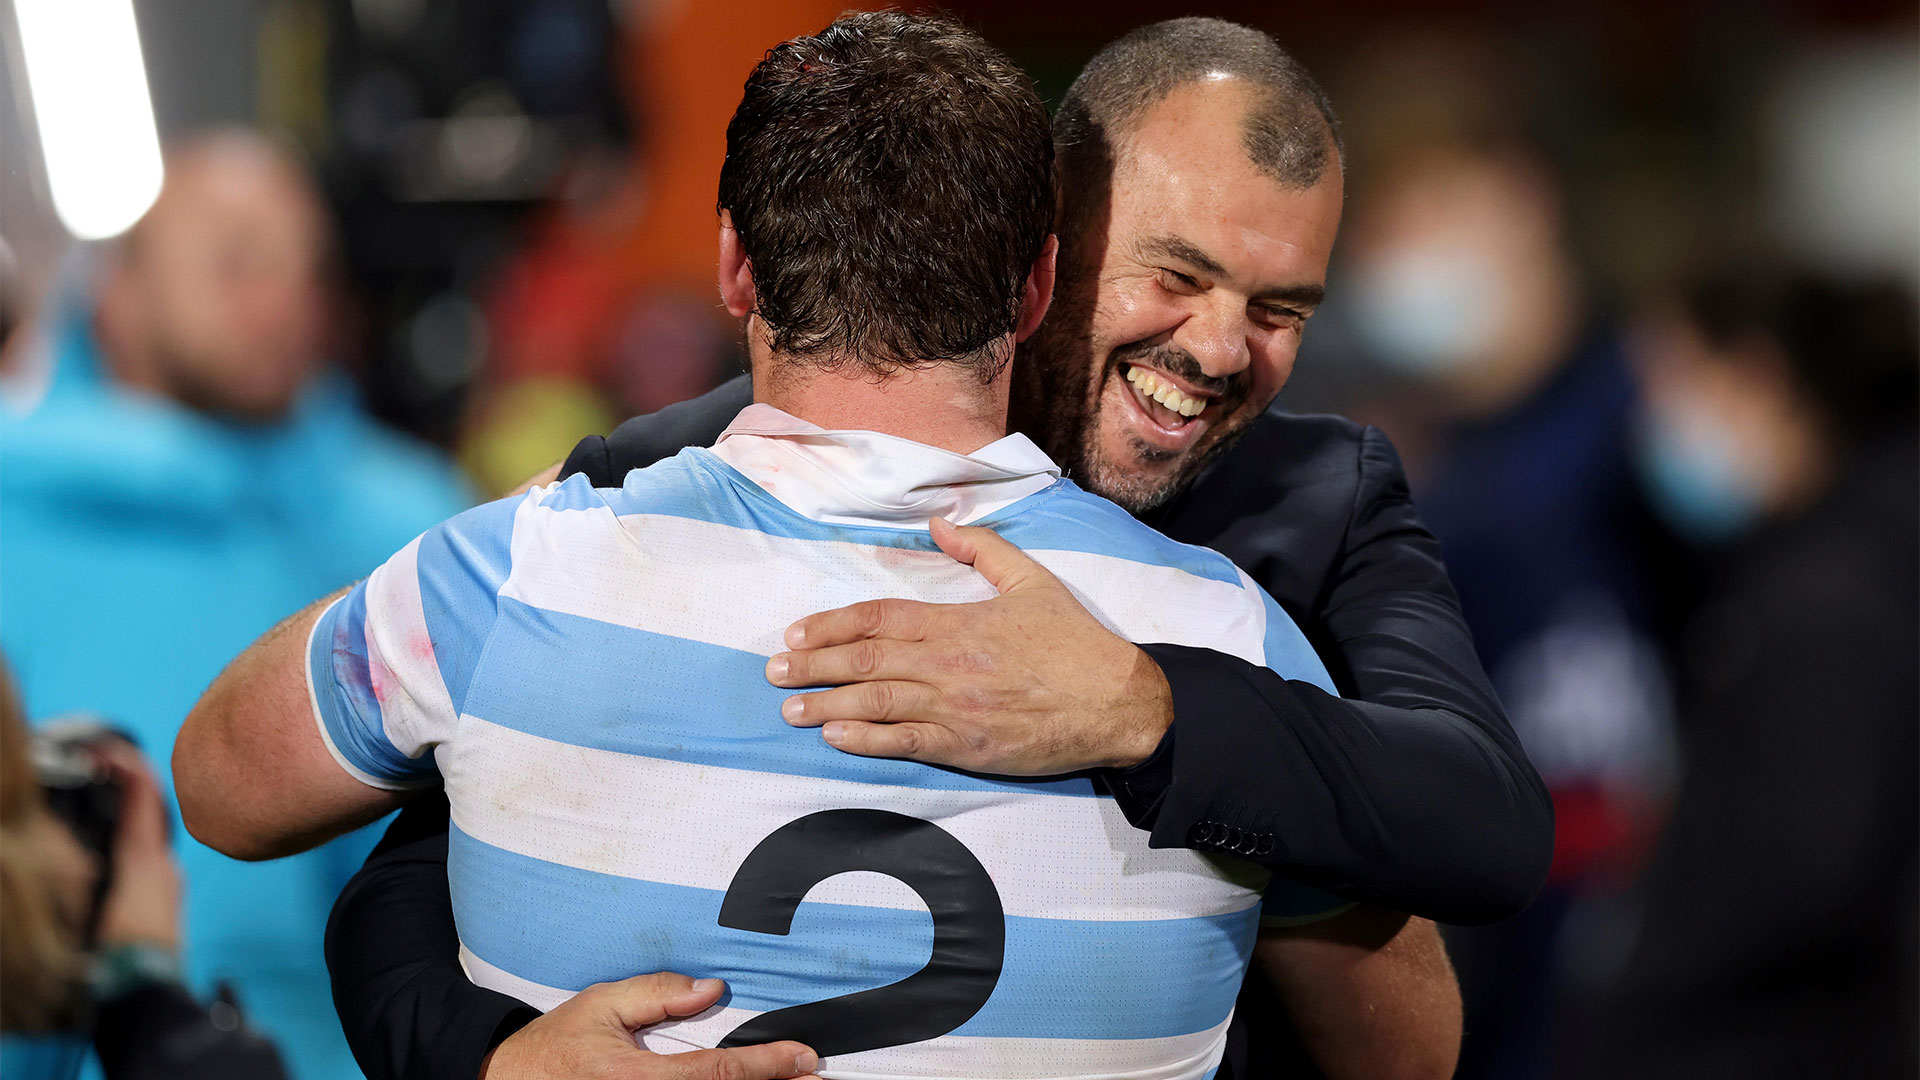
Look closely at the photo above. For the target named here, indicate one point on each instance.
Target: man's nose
(1215, 334)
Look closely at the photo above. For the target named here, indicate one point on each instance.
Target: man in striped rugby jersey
(586, 664)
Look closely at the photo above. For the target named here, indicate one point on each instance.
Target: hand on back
(1028, 683)
(591, 1036)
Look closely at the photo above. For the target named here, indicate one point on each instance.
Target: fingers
(887, 702)
(858, 661)
(771, 1061)
(645, 1000)
(902, 620)
(928, 743)
(143, 815)
(142, 903)
(1004, 566)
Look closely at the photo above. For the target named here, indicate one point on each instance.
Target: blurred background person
(1776, 927)
(1516, 195)
(183, 467)
(1505, 385)
(90, 927)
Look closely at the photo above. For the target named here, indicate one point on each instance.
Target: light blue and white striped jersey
(587, 668)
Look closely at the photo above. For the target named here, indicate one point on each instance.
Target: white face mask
(1429, 310)
(1697, 474)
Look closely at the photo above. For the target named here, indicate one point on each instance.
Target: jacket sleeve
(643, 440)
(1411, 792)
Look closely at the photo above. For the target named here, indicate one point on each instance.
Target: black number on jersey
(969, 927)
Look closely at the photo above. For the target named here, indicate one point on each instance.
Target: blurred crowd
(1680, 505)
(181, 469)
(1634, 296)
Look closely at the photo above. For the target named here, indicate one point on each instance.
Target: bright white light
(90, 102)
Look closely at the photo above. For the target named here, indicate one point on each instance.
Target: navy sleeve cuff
(1195, 679)
(1139, 789)
(1180, 802)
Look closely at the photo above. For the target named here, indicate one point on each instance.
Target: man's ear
(736, 271)
(1037, 295)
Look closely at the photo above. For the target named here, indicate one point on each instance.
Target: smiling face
(1176, 317)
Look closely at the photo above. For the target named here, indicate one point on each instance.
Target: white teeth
(1144, 380)
(1169, 396)
(1180, 403)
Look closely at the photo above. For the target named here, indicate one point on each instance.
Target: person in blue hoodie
(178, 469)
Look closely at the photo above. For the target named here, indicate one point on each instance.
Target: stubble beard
(1057, 396)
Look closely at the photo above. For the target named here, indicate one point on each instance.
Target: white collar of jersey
(867, 478)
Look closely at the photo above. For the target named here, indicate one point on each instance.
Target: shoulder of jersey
(1125, 535)
(665, 479)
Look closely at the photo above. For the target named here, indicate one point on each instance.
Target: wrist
(1139, 789)
(1146, 711)
(123, 967)
(509, 1026)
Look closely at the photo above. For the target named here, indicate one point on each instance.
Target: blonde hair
(41, 963)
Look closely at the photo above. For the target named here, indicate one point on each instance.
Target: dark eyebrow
(1173, 247)
(1304, 295)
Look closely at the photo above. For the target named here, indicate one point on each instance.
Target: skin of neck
(943, 405)
(946, 405)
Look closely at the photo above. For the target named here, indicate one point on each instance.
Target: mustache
(1181, 364)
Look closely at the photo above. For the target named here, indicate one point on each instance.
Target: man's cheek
(1272, 367)
(1119, 304)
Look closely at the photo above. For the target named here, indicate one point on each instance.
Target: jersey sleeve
(388, 664)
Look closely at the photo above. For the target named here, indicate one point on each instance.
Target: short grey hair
(1291, 133)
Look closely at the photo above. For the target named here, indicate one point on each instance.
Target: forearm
(408, 1010)
(1370, 993)
(1417, 810)
(253, 777)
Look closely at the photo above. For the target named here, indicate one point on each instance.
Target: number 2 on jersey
(969, 927)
